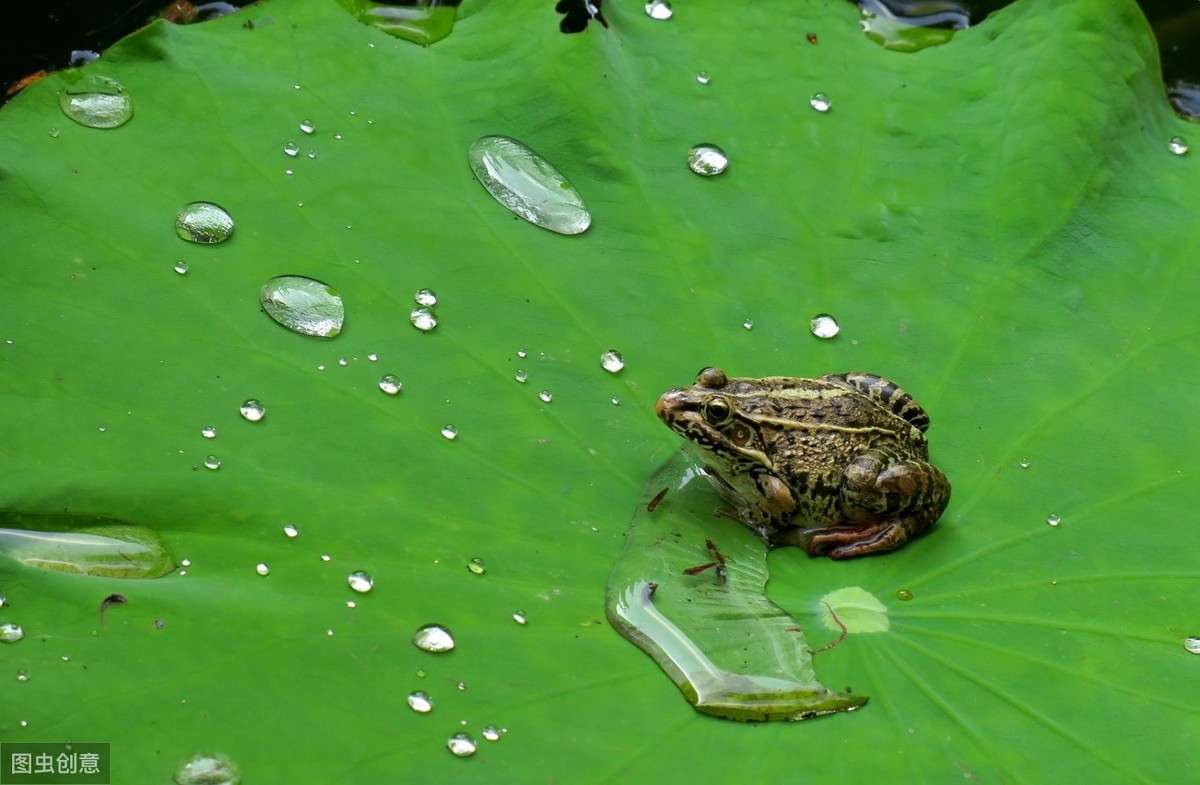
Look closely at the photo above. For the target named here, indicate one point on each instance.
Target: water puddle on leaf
(303, 305)
(689, 590)
(94, 101)
(84, 546)
(528, 184)
(420, 21)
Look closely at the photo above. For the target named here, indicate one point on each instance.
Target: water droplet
(476, 566)
(1192, 644)
(307, 127)
(521, 375)
(1024, 464)
(546, 396)
(208, 432)
(824, 326)
(342, 362)
(360, 581)
(434, 638)
(520, 618)
(1178, 145)
(111, 549)
(10, 633)
(339, 137)
(703, 77)
(312, 155)
(911, 27)
(320, 367)
(303, 305)
(288, 172)
(420, 702)
(290, 531)
(450, 432)
(181, 267)
(53, 133)
(22, 676)
(420, 673)
(185, 563)
(528, 184)
(904, 594)
(351, 604)
(707, 160)
(325, 557)
(615, 401)
(95, 101)
(522, 353)
(329, 632)
(425, 297)
(252, 410)
(659, 9)
(423, 319)
(373, 357)
(102, 428)
(262, 569)
(208, 770)
(748, 324)
(1053, 519)
(203, 222)
(491, 733)
(390, 384)
(462, 686)
(461, 744)
(291, 149)
(212, 462)
(820, 102)
(612, 361)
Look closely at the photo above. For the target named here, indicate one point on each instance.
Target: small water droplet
(303, 305)
(390, 384)
(461, 744)
(307, 127)
(659, 9)
(11, 633)
(522, 353)
(208, 432)
(288, 172)
(321, 367)
(748, 324)
(95, 101)
(351, 604)
(252, 410)
(450, 432)
(1178, 145)
(423, 319)
(1053, 519)
(425, 297)
(329, 632)
(476, 566)
(1192, 645)
(1024, 464)
(53, 133)
(904, 594)
(102, 428)
(820, 102)
(420, 673)
(420, 702)
(528, 184)
(185, 563)
(212, 462)
(373, 357)
(824, 326)
(262, 569)
(181, 267)
(342, 362)
(290, 531)
(703, 77)
(22, 676)
(521, 375)
(312, 155)
(520, 618)
(208, 770)
(462, 686)
(360, 581)
(612, 361)
(707, 160)
(615, 401)
(325, 557)
(203, 222)
(434, 638)
(546, 396)
(339, 137)
(291, 149)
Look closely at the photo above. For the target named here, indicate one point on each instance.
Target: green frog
(837, 465)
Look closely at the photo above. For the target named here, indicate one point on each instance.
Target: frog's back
(884, 392)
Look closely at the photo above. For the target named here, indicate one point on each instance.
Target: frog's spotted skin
(837, 464)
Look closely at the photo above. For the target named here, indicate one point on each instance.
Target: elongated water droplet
(11, 633)
(707, 160)
(203, 222)
(262, 569)
(307, 127)
(252, 410)
(476, 566)
(434, 638)
(420, 702)
(461, 744)
(390, 384)
(1192, 644)
(521, 375)
(824, 326)
(425, 297)
(659, 9)
(290, 531)
(303, 305)
(208, 769)
(703, 77)
(212, 462)
(423, 319)
(1053, 519)
(85, 546)
(546, 396)
(491, 733)
(95, 101)
(520, 618)
(612, 361)
(528, 184)
(449, 432)
(820, 102)
(360, 581)
(1178, 145)
(181, 267)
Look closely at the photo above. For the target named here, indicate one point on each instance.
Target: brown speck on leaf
(658, 497)
(812, 38)
(24, 82)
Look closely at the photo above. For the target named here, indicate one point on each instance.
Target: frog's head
(707, 415)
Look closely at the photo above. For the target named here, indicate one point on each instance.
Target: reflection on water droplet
(1053, 519)
(434, 638)
(820, 102)
(612, 361)
(520, 618)
(748, 324)
(703, 77)
(824, 326)
(307, 127)
(112, 549)
(425, 297)
(707, 160)
(252, 410)
(659, 9)
(420, 702)
(476, 566)
(904, 594)
(95, 101)
(1178, 145)
(390, 384)
(262, 569)
(1024, 464)
(208, 770)
(461, 744)
(521, 375)
(450, 432)
(212, 462)
(290, 531)
(10, 633)
(1192, 644)
(528, 184)
(181, 267)
(491, 733)
(423, 319)
(203, 222)
(303, 305)
(546, 396)
(291, 149)
(208, 432)
(360, 581)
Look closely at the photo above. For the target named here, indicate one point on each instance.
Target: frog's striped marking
(887, 393)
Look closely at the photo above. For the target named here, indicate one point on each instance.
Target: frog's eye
(716, 410)
(712, 378)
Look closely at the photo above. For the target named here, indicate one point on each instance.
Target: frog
(837, 464)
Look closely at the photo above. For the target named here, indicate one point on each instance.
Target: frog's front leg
(888, 498)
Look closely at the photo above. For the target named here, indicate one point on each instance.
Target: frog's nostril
(667, 403)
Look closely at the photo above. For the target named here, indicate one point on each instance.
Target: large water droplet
(434, 638)
(203, 222)
(612, 361)
(307, 126)
(181, 267)
(252, 410)
(95, 101)
(461, 744)
(449, 432)
(390, 384)
(262, 568)
(208, 432)
(304, 305)
(1053, 519)
(10, 633)
(1178, 145)
(703, 77)
(491, 733)
(208, 770)
(521, 375)
(425, 297)
(1192, 644)
(476, 566)
(546, 396)
(528, 184)
(420, 702)
(423, 319)
(291, 149)
(820, 102)
(89, 546)
(707, 160)
(360, 581)
(420, 21)
(520, 618)
(291, 531)
(911, 27)
(212, 462)
(824, 326)
(659, 9)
